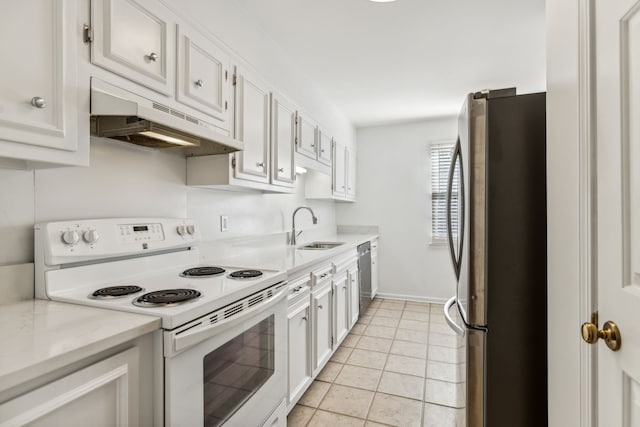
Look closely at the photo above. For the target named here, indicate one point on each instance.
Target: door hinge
(235, 79)
(226, 105)
(87, 33)
(226, 75)
(233, 162)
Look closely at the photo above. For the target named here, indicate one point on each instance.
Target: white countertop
(282, 257)
(40, 336)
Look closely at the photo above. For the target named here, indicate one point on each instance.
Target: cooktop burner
(166, 297)
(116, 291)
(245, 274)
(202, 272)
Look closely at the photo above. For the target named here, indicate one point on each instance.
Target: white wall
(393, 193)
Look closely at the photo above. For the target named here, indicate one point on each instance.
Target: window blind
(440, 163)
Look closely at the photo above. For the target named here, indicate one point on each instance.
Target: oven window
(236, 370)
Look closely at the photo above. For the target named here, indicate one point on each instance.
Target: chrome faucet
(292, 240)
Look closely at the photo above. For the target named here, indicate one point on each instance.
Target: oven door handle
(180, 341)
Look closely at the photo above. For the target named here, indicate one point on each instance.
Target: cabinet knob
(198, 83)
(320, 306)
(280, 169)
(313, 145)
(260, 165)
(38, 102)
(322, 151)
(305, 318)
(153, 57)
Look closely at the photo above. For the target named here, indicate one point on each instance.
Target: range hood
(119, 114)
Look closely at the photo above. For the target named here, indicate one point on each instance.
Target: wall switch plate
(224, 222)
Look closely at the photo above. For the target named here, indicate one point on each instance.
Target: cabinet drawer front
(135, 39)
(39, 84)
(203, 75)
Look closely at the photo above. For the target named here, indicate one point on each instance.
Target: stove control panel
(73, 241)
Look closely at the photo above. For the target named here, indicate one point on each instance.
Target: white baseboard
(430, 300)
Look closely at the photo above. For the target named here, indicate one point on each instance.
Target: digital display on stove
(140, 228)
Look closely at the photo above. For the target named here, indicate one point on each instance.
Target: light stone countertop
(41, 336)
(279, 256)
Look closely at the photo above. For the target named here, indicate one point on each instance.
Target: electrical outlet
(224, 222)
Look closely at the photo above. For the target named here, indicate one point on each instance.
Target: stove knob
(191, 229)
(91, 236)
(182, 230)
(70, 237)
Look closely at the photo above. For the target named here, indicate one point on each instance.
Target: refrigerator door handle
(457, 260)
(452, 324)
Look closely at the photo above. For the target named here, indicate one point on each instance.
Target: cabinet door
(306, 138)
(135, 39)
(283, 135)
(324, 147)
(351, 174)
(339, 170)
(39, 81)
(203, 75)
(106, 393)
(299, 350)
(354, 295)
(322, 337)
(340, 307)
(374, 274)
(252, 126)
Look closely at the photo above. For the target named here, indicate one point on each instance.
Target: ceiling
(409, 59)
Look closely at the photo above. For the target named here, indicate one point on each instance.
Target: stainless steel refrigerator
(496, 220)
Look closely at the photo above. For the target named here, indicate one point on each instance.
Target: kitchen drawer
(321, 275)
(299, 290)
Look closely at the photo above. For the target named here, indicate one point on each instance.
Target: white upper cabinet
(135, 39)
(204, 75)
(307, 134)
(339, 181)
(324, 147)
(351, 173)
(283, 135)
(39, 86)
(252, 126)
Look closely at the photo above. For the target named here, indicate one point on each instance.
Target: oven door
(235, 376)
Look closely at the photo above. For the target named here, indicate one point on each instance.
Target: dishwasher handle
(452, 324)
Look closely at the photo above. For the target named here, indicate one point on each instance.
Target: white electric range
(224, 327)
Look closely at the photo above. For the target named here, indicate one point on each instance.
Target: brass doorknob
(609, 333)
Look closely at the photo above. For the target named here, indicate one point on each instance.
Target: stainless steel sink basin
(320, 245)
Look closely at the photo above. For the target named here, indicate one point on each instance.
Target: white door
(252, 123)
(135, 39)
(306, 140)
(324, 148)
(340, 307)
(203, 75)
(322, 334)
(283, 136)
(617, 35)
(354, 295)
(339, 170)
(351, 174)
(299, 360)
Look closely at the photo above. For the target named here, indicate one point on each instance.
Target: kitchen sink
(320, 245)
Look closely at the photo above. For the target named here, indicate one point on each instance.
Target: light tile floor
(401, 365)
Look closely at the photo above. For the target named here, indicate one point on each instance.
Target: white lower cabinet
(374, 268)
(353, 278)
(105, 393)
(299, 320)
(321, 301)
(341, 307)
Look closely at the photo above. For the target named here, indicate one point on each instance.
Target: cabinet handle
(343, 186)
(297, 288)
(198, 83)
(153, 57)
(305, 318)
(324, 275)
(280, 169)
(38, 102)
(313, 145)
(260, 165)
(320, 306)
(322, 151)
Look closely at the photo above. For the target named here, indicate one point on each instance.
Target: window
(440, 155)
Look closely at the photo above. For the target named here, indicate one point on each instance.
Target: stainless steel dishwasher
(364, 268)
